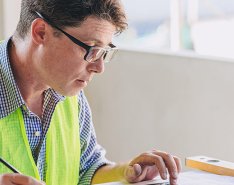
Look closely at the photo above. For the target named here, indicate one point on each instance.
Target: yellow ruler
(211, 165)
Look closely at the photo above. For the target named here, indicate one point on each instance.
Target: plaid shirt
(92, 154)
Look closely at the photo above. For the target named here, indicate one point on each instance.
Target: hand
(18, 179)
(151, 164)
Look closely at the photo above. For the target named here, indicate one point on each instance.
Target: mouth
(82, 83)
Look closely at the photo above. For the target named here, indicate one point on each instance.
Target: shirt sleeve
(92, 154)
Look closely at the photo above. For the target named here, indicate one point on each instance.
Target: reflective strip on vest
(62, 145)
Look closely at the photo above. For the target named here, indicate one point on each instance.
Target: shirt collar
(10, 96)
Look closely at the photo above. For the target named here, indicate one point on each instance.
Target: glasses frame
(78, 42)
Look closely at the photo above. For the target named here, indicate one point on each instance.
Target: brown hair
(71, 13)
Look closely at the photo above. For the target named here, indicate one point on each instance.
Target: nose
(97, 66)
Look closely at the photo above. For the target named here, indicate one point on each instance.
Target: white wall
(183, 105)
(1, 19)
(10, 16)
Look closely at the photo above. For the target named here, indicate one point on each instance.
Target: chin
(72, 92)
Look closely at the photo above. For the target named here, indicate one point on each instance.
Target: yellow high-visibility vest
(62, 145)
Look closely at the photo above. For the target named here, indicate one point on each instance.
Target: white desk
(193, 178)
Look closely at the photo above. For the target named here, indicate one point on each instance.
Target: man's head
(71, 13)
(63, 43)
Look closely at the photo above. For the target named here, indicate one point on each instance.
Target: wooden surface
(212, 165)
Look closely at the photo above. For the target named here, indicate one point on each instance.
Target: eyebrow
(98, 43)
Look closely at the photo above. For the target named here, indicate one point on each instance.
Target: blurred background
(202, 26)
(171, 84)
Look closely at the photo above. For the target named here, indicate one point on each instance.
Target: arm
(92, 154)
(109, 173)
(144, 167)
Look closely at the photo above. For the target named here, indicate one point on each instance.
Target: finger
(152, 159)
(134, 171)
(146, 173)
(152, 172)
(140, 177)
(173, 181)
(178, 164)
(170, 163)
(137, 169)
(20, 179)
(5, 178)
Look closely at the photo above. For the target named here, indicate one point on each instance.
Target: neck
(26, 78)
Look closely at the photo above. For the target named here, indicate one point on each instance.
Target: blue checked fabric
(92, 154)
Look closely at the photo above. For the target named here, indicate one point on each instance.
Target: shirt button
(37, 133)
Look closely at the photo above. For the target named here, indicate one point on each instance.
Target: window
(203, 26)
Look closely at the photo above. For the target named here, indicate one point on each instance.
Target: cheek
(66, 60)
(79, 53)
(68, 68)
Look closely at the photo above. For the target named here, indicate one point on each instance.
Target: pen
(8, 165)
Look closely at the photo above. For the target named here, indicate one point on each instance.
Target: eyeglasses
(93, 53)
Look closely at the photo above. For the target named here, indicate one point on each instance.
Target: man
(45, 121)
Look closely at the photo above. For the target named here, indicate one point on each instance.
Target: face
(61, 63)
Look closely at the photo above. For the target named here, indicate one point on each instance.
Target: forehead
(94, 29)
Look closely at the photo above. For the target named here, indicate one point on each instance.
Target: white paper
(156, 181)
(191, 178)
(203, 178)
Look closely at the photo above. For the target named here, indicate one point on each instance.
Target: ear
(39, 29)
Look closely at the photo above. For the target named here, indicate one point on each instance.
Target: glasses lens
(96, 53)
(109, 55)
